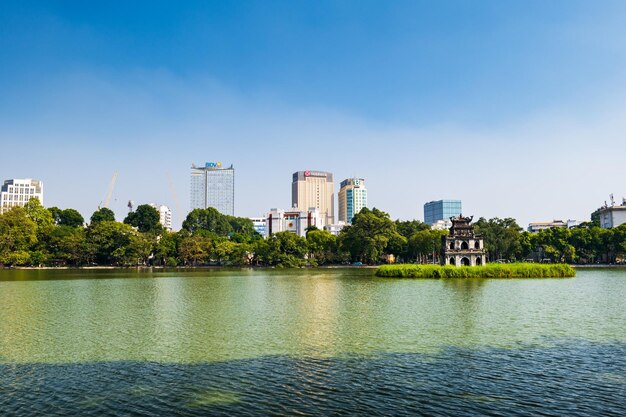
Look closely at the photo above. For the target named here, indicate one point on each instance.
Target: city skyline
(121, 208)
(526, 100)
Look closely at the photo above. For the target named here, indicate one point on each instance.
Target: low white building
(441, 225)
(538, 226)
(17, 192)
(165, 215)
(294, 220)
(260, 225)
(336, 228)
(612, 216)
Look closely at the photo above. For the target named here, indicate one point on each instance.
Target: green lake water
(195, 327)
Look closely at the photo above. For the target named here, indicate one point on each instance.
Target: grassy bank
(517, 270)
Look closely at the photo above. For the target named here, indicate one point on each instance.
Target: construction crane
(107, 200)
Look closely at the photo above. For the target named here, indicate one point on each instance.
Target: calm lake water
(309, 342)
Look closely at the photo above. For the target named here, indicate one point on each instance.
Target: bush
(515, 270)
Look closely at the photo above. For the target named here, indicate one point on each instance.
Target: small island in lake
(514, 270)
(463, 256)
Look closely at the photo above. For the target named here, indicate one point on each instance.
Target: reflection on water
(573, 377)
(204, 316)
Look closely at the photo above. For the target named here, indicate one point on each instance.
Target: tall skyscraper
(17, 192)
(314, 189)
(213, 186)
(441, 210)
(352, 198)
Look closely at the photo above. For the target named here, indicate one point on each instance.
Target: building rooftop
(608, 208)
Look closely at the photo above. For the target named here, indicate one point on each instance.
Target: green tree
(282, 249)
(367, 238)
(207, 220)
(400, 246)
(410, 227)
(193, 249)
(527, 245)
(166, 249)
(619, 240)
(102, 215)
(322, 245)
(45, 223)
(595, 218)
(68, 245)
(243, 229)
(41, 216)
(116, 243)
(70, 217)
(501, 237)
(581, 238)
(18, 235)
(145, 218)
(67, 217)
(55, 212)
(555, 244)
(241, 254)
(425, 244)
(220, 250)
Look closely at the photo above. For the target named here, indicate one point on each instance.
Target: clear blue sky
(515, 107)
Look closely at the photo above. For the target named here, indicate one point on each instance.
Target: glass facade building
(352, 198)
(213, 186)
(441, 210)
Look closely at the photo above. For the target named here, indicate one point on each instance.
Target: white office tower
(17, 192)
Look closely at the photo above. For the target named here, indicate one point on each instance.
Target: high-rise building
(314, 189)
(165, 215)
(352, 198)
(17, 192)
(441, 210)
(213, 186)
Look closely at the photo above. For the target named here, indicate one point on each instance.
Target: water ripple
(570, 377)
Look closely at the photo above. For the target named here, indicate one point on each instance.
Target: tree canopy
(68, 217)
(102, 215)
(145, 218)
(209, 220)
(369, 234)
(34, 235)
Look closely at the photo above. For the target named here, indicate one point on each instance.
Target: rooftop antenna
(612, 200)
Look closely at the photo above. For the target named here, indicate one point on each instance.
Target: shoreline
(108, 267)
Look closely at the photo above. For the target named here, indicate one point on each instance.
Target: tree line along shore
(36, 236)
